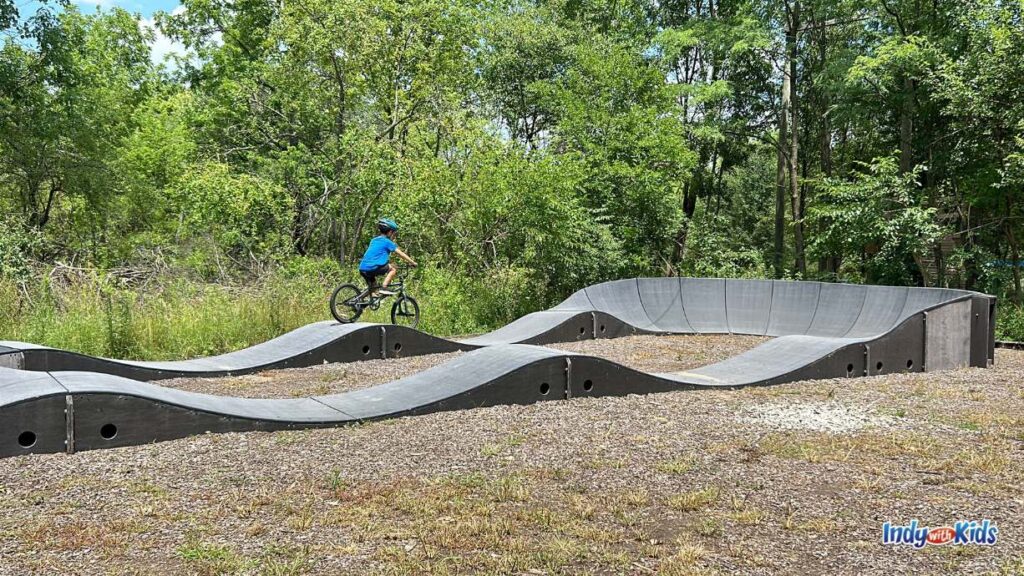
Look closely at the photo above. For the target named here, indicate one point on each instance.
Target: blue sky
(146, 9)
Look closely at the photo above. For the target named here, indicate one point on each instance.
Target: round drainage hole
(545, 388)
(398, 346)
(910, 364)
(27, 439)
(583, 330)
(849, 369)
(602, 328)
(878, 366)
(366, 350)
(108, 431)
(588, 385)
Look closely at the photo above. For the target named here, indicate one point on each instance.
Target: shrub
(1010, 322)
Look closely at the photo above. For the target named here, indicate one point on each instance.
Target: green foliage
(1010, 323)
(247, 215)
(983, 96)
(96, 315)
(16, 244)
(64, 109)
(897, 57)
(879, 217)
(524, 54)
(612, 110)
(470, 304)
(498, 208)
(714, 252)
(527, 149)
(152, 159)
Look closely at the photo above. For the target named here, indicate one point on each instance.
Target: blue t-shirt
(377, 253)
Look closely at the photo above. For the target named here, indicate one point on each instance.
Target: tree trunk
(940, 265)
(689, 207)
(780, 175)
(796, 193)
(825, 102)
(342, 239)
(1011, 240)
(907, 127)
(828, 264)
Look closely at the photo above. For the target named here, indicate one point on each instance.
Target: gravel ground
(647, 353)
(789, 479)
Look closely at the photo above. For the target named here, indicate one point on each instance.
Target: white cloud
(162, 47)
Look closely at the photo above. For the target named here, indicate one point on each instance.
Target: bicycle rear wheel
(345, 305)
(405, 312)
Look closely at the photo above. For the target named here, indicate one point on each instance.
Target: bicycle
(348, 303)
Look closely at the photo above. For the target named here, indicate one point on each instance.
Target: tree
(67, 104)
(713, 57)
(982, 92)
(880, 218)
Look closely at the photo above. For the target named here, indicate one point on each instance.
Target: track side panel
(793, 307)
(839, 307)
(36, 426)
(948, 336)
(620, 298)
(704, 304)
(595, 377)
(981, 307)
(608, 326)
(112, 420)
(540, 328)
(663, 302)
(748, 304)
(901, 350)
(402, 342)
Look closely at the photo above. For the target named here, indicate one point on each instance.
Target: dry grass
(676, 465)
(694, 500)
(673, 484)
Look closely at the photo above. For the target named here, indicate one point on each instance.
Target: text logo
(983, 533)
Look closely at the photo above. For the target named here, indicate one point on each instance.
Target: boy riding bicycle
(377, 259)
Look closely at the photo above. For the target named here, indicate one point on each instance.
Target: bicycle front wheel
(405, 312)
(345, 305)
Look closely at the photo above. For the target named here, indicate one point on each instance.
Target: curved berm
(54, 400)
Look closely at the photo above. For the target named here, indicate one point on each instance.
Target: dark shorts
(371, 275)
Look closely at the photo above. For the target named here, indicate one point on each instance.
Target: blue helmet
(386, 225)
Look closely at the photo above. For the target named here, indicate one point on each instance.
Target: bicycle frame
(364, 300)
(405, 306)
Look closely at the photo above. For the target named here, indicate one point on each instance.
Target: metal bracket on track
(924, 339)
(69, 418)
(568, 378)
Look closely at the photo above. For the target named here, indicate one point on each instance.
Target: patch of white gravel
(831, 417)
